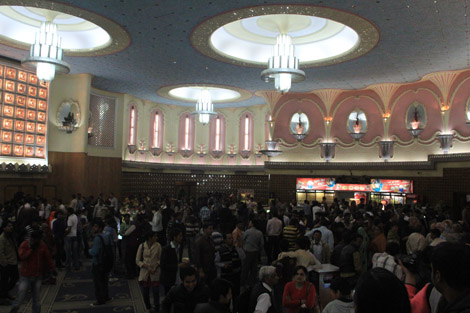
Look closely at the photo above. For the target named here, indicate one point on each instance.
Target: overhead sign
(376, 185)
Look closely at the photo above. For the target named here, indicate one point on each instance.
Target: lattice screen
(102, 121)
(158, 184)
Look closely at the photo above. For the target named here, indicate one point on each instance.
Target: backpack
(106, 259)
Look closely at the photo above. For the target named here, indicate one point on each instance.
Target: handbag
(316, 307)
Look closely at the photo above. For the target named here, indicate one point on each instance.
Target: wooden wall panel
(103, 175)
(68, 173)
(71, 173)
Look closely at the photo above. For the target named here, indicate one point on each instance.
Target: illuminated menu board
(23, 113)
(376, 185)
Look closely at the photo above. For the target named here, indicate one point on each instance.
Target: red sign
(392, 185)
(376, 185)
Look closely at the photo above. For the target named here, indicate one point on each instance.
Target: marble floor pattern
(73, 292)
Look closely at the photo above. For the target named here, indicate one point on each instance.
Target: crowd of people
(217, 254)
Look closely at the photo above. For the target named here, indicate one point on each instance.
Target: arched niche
(299, 123)
(285, 113)
(370, 108)
(416, 116)
(397, 124)
(357, 121)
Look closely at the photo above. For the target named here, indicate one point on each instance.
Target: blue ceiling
(417, 37)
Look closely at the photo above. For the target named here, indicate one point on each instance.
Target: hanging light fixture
(283, 66)
(271, 150)
(204, 107)
(45, 54)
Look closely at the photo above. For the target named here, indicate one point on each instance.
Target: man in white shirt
(262, 292)
(73, 203)
(316, 208)
(114, 202)
(273, 231)
(71, 243)
(157, 225)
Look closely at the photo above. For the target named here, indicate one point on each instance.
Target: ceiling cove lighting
(283, 66)
(46, 53)
(204, 107)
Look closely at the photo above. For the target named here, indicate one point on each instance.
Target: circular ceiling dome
(87, 35)
(315, 39)
(191, 93)
(320, 35)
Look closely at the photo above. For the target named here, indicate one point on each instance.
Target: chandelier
(45, 54)
(204, 107)
(283, 66)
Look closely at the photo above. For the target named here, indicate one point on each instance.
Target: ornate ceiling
(416, 38)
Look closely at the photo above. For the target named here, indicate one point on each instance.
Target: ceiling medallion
(220, 94)
(84, 33)
(321, 35)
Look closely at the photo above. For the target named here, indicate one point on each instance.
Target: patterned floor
(74, 292)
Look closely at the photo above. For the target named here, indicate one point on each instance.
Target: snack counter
(379, 190)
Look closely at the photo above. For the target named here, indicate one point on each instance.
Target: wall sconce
(68, 116)
(155, 151)
(444, 108)
(201, 151)
(445, 141)
(271, 150)
(328, 120)
(231, 151)
(68, 128)
(169, 149)
(386, 150)
(259, 147)
(245, 154)
(217, 153)
(142, 148)
(186, 153)
(132, 148)
(299, 126)
(415, 130)
(357, 127)
(386, 116)
(328, 150)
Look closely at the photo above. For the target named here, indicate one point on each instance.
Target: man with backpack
(103, 259)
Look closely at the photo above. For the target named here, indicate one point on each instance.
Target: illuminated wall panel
(23, 113)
